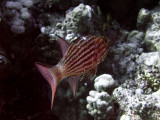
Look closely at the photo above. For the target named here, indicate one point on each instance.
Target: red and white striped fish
(81, 57)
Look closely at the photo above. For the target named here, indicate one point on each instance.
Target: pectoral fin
(73, 82)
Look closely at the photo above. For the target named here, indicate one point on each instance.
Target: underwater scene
(80, 60)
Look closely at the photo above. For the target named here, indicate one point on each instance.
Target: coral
(130, 116)
(25, 14)
(27, 3)
(141, 79)
(18, 14)
(13, 5)
(148, 72)
(104, 82)
(144, 17)
(138, 95)
(78, 21)
(53, 21)
(99, 101)
(141, 104)
(125, 53)
(99, 104)
(152, 33)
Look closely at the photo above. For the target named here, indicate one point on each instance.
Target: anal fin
(73, 82)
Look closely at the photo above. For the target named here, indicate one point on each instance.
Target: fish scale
(80, 57)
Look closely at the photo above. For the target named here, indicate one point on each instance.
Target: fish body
(80, 57)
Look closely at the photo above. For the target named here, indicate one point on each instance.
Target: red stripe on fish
(80, 53)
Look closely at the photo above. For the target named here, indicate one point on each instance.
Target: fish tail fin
(48, 73)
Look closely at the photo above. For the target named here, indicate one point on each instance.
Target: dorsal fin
(73, 82)
(47, 73)
(63, 44)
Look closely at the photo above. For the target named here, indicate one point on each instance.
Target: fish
(80, 57)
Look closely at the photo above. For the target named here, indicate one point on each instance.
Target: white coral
(99, 104)
(104, 82)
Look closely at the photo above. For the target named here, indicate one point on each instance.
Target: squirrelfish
(80, 57)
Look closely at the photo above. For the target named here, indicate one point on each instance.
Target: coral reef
(27, 35)
(148, 72)
(78, 21)
(149, 22)
(136, 96)
(125, 54)
(135, 101)
(152, 37)
(143, 19)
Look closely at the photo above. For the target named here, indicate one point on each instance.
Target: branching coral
(99, 104)
(99, 101)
